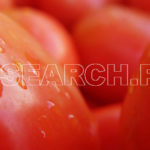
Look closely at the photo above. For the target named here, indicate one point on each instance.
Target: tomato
(23, 2)
(108, 119)
(5, 3)
(143, 5)
(135, 120)
(69, 12)
(107, 39)
(47, 31)
(37, 116)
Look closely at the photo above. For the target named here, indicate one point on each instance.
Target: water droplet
(21, 83)
(2, 42)
(19, 66)
(43, 133)
(1, 88)
(34, 71)
(3, 72)
(2, 45)
(67, 95)
(71, 116)
(57, 88)
(1, 50)
(44, 117)
(50, 104)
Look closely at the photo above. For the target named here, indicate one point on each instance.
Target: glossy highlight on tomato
(48, 32)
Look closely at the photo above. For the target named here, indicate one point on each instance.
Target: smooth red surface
(135, 120)
(113, 35)
(108, 119)
(140, 4)
(69, 11)
(6, 3)
(38, 117)
(48, 32)
(23, 2)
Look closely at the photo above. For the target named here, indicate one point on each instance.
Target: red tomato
(141, 4)
(108, 119)
(5, 3)
(34, 117)
(111, 36)
(135, 121)
(47, 31)
(69, 12)
(23, 2)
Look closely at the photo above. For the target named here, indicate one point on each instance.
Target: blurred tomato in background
(24, 2)
(113, 35)
(139, 4)
(70, 11)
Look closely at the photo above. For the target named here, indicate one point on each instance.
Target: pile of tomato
(74, 74)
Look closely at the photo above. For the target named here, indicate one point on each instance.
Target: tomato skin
(39, 117)
(143, 5)
(48, 32)
(108, 119)
(23, 2)
(103, 38)
(69, 12)
(11, 3)
(135, 120)
(6, 3)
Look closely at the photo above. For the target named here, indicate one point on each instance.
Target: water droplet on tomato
(1, 88)
(50, 104)
(34, 72)
(19, 66)
(1, 50)
(3, 72)
(67, 95)
(43, 134)
(57, 88)
(71, 116)
(2, 42)
(44, 117)
(2, 45)
(21, 83)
